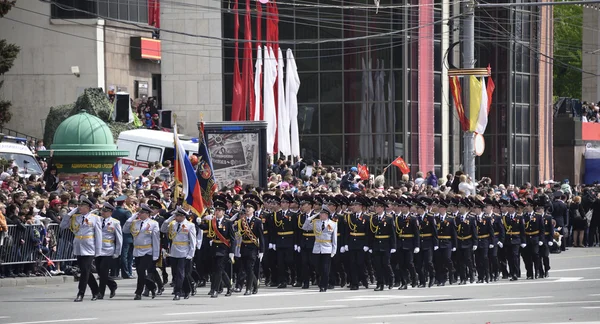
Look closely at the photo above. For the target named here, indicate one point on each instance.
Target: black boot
(228, 292)
(78, 299)
(176, 297)
(137, 297)
(113, 293)
(248, 292)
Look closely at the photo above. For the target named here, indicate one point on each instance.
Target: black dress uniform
(305, 242)
(429, 243)
(548, 241)
(409, 242)
(534, 234)
(357, 244)
(284, 222)
(499, 237)
(446, 228)
(383, 244)
(251, 233)
(515, 236)
(467, 239)
(485, 239)
(337, 265)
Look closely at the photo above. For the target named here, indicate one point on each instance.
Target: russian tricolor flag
(116, 171)
(185, 174)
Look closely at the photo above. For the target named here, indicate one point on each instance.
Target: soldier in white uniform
(112, 242)
(325, 243)
(87, 243)
(146, 248)
(182, 235)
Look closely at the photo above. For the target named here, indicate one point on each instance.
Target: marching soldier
(409, 242)
(499, 235)
(515, 239)
(251, 233)
(283, 243)
(467, 240)
(112, 242)
(87, 244)
(485, 239)
(446, 229)
(534, 235)
(146, 248)
(357, 242)
(429, 242)
(337, 266)
(325, 245)
(305, 240)
(182, 235)
(541, 204)
(503, 250)
(383, 244)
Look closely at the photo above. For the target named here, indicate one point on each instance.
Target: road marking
(58, 321)
(378, 297)
(265, 322)
(575, 269)
(568, 279)
(519, 283)
(594, 295)
(481, 300)
(3, 317)
(553, 303)
(316, 308)
(301, 293)
(592, 307)
(575, 323)
(165, 322)
(576, 256)
(441, 313)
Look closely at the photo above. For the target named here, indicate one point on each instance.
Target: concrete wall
(591, 55)
(41, 76)
(121, 70)
(191, 67)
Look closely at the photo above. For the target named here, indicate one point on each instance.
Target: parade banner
(234, 156)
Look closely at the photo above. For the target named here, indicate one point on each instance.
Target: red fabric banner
(399, 162)
(456, 90)
(247, 69)
(238, 107)
(363, 171)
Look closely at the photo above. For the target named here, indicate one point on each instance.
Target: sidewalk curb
(35, 281)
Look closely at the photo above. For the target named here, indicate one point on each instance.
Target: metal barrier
(24, 244)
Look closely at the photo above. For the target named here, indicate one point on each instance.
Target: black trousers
(324, 267)
(443, 263)
(203, 262)
(464, 261)
(424, 265)
(103, 266)
(512, 256)
(218, 272)
(493, 257)
(285, 260)
(357, 266)
(383, 268)
(308, 264)
(178, 266)
(531, 257)
(248, 260)
(145, 267)
(503, 260)
(86, 277)
(337, 270)
(545, 258)
(407, 265)
(483, 262)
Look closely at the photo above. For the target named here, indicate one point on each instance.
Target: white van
(146, 145)
(15, 149)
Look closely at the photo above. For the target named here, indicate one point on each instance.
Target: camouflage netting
(95, 102)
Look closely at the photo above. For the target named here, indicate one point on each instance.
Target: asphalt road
(570, 295)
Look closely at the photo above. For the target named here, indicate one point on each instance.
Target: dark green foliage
(95, 102)
(568, 35)
(56, 116)
(8, 54)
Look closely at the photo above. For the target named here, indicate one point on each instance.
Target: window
(74, 9)
(148, 154)
(128, 10)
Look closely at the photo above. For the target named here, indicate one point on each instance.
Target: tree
(8, 54)
(568, 35)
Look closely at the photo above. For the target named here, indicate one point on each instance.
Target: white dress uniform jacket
(146, 236)
(87, 230)
(325, 235)
(112, 237)
(183, 238)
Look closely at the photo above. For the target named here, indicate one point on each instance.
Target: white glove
(540, 243)
(392, 251)
(474, 247)
(260, 256)
(370, 251)
(115, 256)
(453, 249)
(332, 254)
(491, 246)
(296, 248)
(365, 248)
(500, 244)
(523, 245)
(198, 220)
(347, 248)
(417, 250)
(188, 257)
(299, 249)
(274, 247)
(231, 255)
(342, 249)
(435, 248)
(210, 243)
(270, 246)
(550, 243)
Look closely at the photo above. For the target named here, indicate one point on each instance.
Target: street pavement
(570, 295)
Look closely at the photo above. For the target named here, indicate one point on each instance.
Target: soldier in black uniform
(408, 243)
(485, 239)
(305, 241)
(283, 239)
(222, 236)
(503, 251)
(337, 267)
(498, 240)
(164, 243)
(541, 204)
(446, 230)
(383, 244)
(429, 242)
(357, 242)
(266, 216)
(467, 239)
(343, 214)
(251, 233)
(534, 235)
(515, 239)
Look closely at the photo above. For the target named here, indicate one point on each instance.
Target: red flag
(247, 71)
(238, 106)
(399, 162)
(363, 171)
(490, 91)
(258, 45)
(154, 13)
(456, 94)
(50, 262)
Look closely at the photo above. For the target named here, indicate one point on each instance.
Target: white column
(445, 92)
(100, 54)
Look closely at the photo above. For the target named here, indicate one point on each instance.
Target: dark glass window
(127, 10)
(74, 9)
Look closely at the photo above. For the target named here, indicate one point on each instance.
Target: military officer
(499, 235)
(446, 229)
(283, 239)
(325, 245)
(429, 242)
(182, 236)
(485, 241)
(112, 243)
(515, 239)
(541, 204)
(356, 240)
(146, 248)
(383, 244)
(87, 244)
(337, 266)
(467, 239)
(534, 235)
(408, 243)
(252, 243)
(305, 240)
(157, 215)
